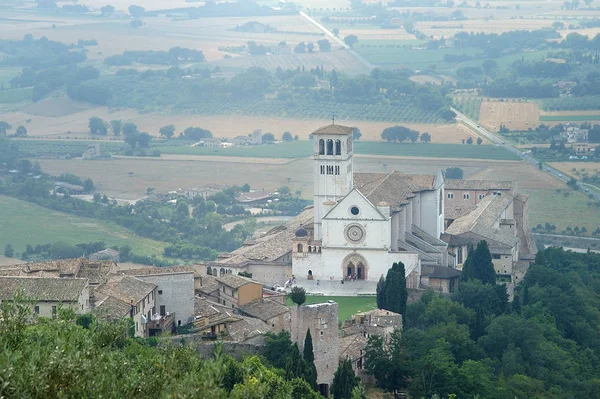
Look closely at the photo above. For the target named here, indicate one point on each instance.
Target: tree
(9, 252)
(298, 295)
(136, 11)
(399, 134)
(107, 10)
(478, 265)
(144, 139)
(287, 136)
(167, 131)
(334, 80)
(344, 381)
(336, 31)
(305, 79)
(380, 291)
(351, 40)
(136, 23)
(324, 45)
(425, 137)
(88, 185)
(4, 127)
(470, 140)
(307, 352)
(447, 114)
(395, 292)
(196, 133)
(284, 190)
(310, 47)
(300, 48)
(21, 131)
(268, 138)
(245, 188)
(454, 173)
(116, 126)
(479, 140)
(97, 126)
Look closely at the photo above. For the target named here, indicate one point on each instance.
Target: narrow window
(330, 147)
(466, 196)
(450, 195)
(321, 147)
(338, 147)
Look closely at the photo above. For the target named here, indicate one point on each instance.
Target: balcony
(159, 324)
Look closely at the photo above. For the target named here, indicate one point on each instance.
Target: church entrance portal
(353, 272)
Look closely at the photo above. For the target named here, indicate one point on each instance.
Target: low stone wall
(205, 348)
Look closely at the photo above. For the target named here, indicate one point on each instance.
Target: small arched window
(309, 249)
(222, 272)
(329, 147)
(338, 147)
(321, 147)
(208, 270)
(300, 248)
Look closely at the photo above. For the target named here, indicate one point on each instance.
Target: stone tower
(322, 319)
(332, 149)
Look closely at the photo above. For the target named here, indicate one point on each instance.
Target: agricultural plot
(450, 28)
(513, 115)
(15, 95)
(585, 103)
(63, 148)
(414, 58)
(470, 106)
(23, 223)
(577, 169)
(569, 118)
(426, 79)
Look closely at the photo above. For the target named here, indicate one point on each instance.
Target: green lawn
(23, 223)
(347, 305)
(303, 148)
(559, 118)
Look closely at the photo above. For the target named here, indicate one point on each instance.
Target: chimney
(384, 208)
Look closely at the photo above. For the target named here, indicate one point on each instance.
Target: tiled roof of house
(149, 271)
(111, 307)
(207, 284)
(42, 289)
(460, 184)
(264, 309)
(395, 188)
(456, 211)
(233, 281)
(247, 328)
(107, 252)
(481, 220)
(334, 129)
(273, 245)
(126, 288)
(442, 272)
(351, 346)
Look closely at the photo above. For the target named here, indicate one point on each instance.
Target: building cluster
(254, 138)
(576, 139)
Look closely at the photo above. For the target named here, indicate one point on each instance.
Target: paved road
(338, 41)
(527, 157)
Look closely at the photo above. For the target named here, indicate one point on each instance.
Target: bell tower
(332, 149)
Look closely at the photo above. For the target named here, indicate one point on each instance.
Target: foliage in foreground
(61, 358)
(546, 345)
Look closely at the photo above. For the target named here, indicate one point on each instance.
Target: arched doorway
(310, 275)
(354, 267)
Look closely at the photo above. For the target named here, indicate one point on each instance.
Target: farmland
(572, 103)
(569, 118)
(416, 58)
(513, 115)
(24, 223)
(300, 149)
(470, 106)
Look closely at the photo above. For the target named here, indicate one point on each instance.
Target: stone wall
(205, 348)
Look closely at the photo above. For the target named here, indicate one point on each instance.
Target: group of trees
(402, 134)
(117, 365)
(391, 290)
(542, 345)
(175, 56)
(323, 44)
(5, 127)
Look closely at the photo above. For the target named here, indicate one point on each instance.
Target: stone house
(119, 293)
(174, 291)
(441, 279)
(276, 315)
(235, 291)
(48, 294)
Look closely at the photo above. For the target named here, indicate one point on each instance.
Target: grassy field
(513, 115)
(15, 95)
(22, 223)
(569, 118)
(392, 55)
(556, 208)
(299, 149)
(347, 305)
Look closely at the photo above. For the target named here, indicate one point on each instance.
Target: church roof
(459, 184)
(395, 188)
(334, 129)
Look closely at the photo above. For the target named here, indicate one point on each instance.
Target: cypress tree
(381, 293)
(402, 290)
(344, 381)
(308, 353)
(395, 292)
(468, 270)
(482, 262)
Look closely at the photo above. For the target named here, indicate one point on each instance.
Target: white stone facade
(174, 294)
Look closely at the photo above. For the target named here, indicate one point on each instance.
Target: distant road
(527, 157)
(338, 41)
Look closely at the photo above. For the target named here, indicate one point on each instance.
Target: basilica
(364, 222)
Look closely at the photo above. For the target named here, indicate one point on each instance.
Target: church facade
(364, 222)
